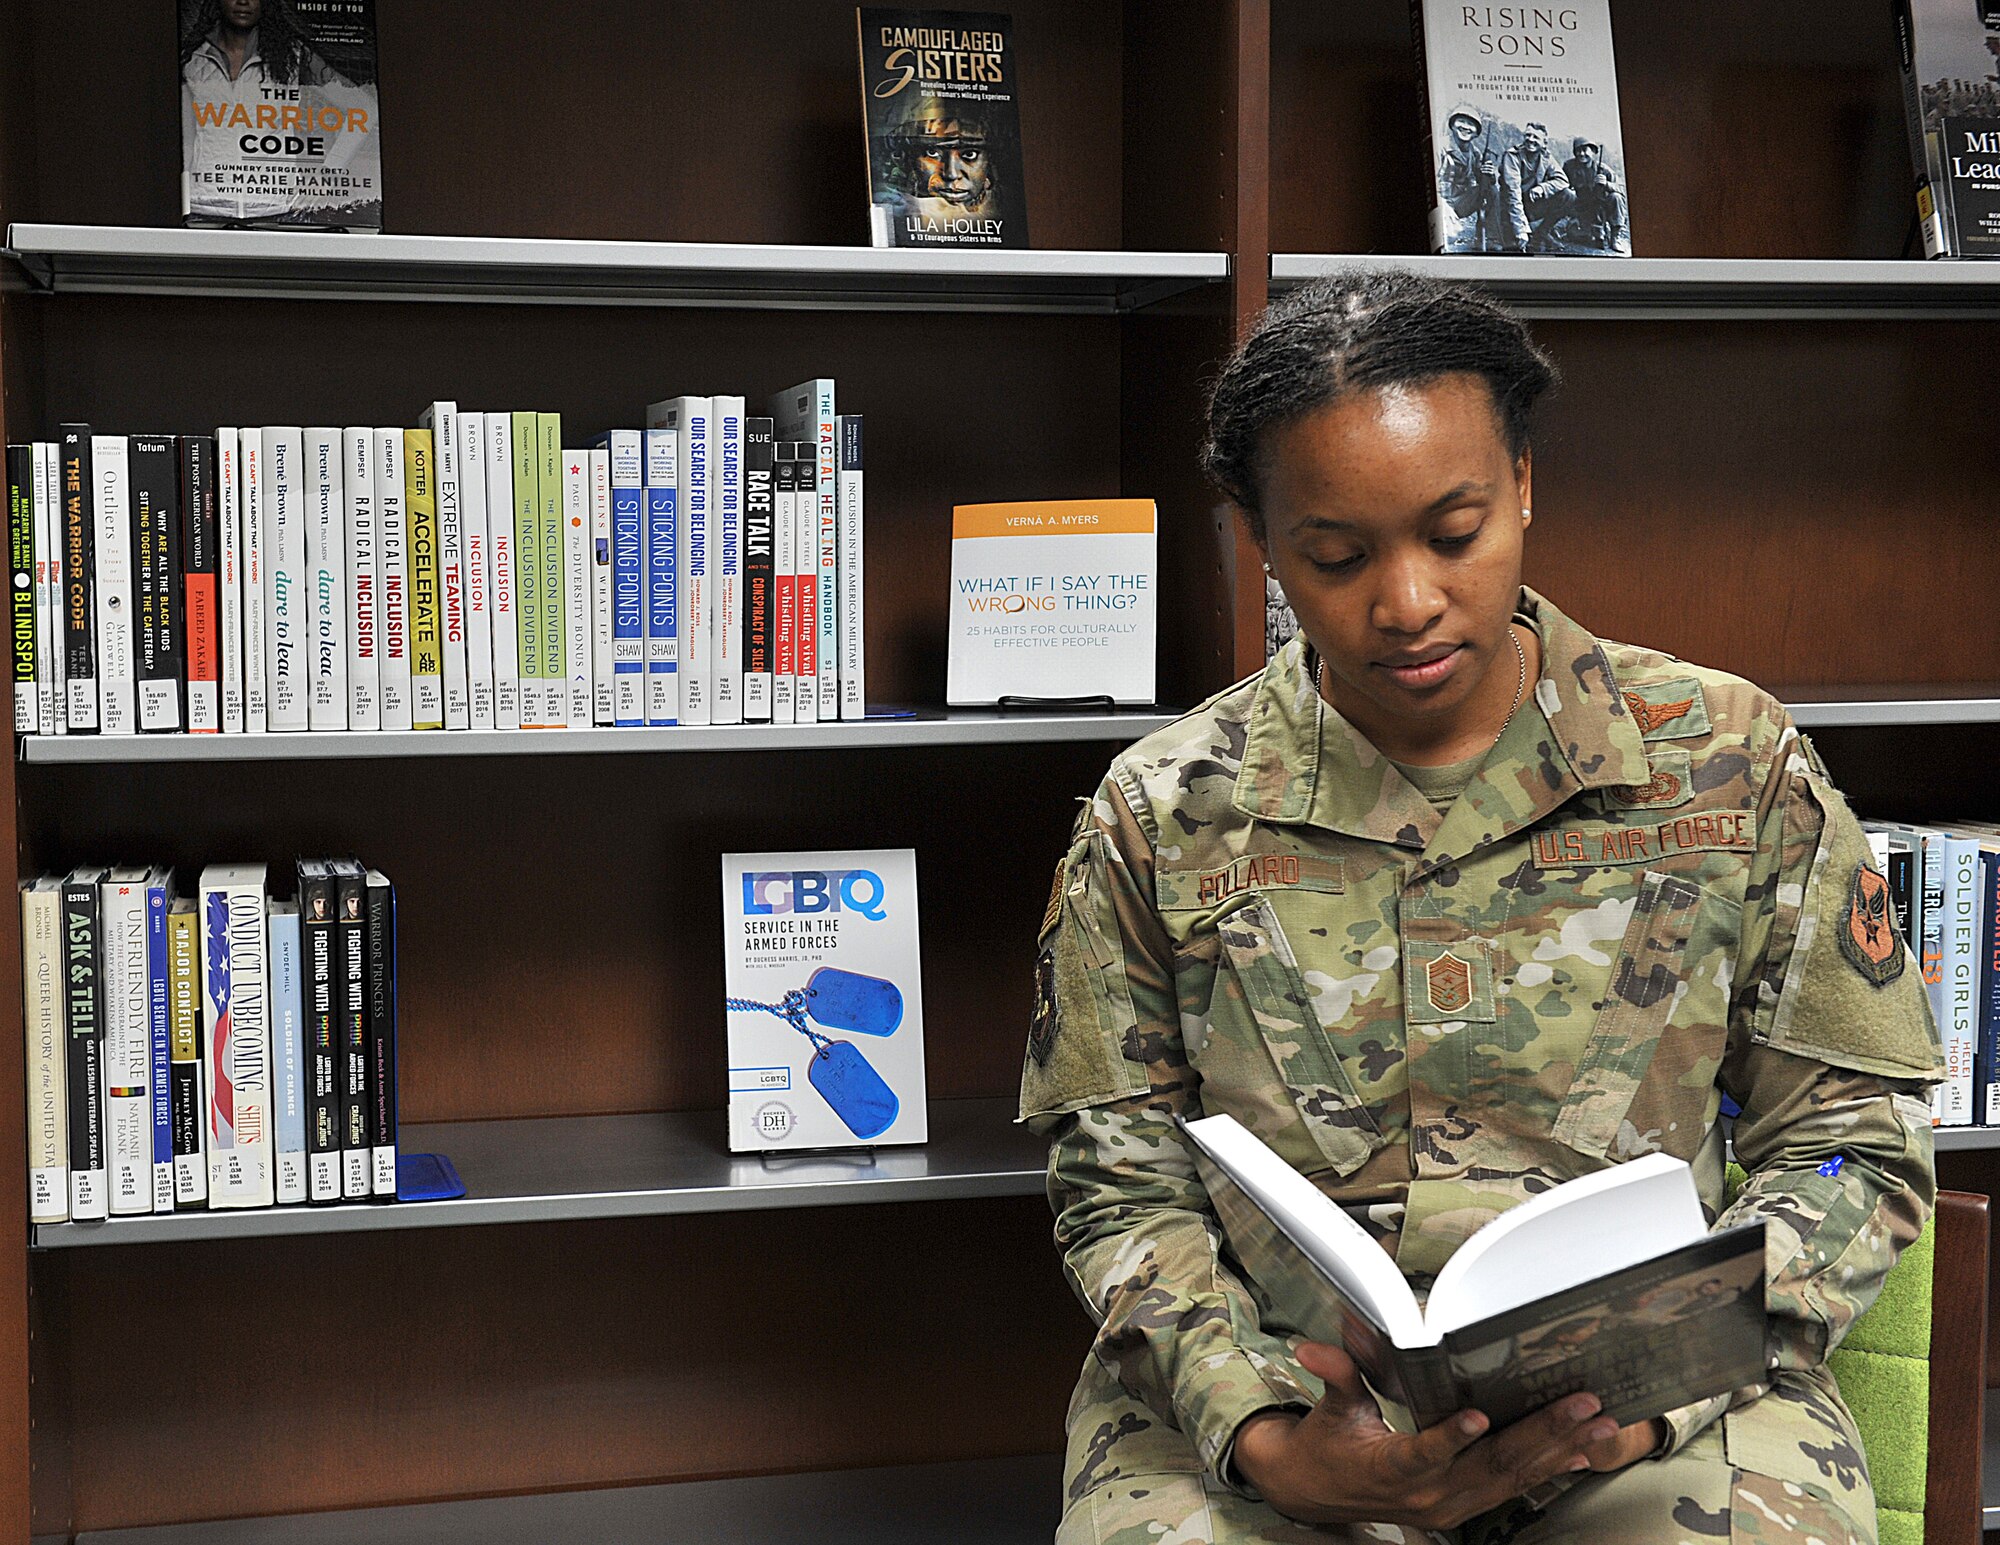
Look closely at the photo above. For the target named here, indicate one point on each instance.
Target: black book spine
(84, 1025)
(318, 939)
(760, 573)
(156, 580)
(200, 573)
(79, 597)
(382, 1036)
(21, 556)
(1901, 889)
(350, 895)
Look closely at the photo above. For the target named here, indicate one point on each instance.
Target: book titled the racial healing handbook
(1610, 1283)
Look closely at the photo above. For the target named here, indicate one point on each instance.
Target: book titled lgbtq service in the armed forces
(1949, 51)
(939, 99)
(1520, 104)
(280, 114)
(1610, 1283)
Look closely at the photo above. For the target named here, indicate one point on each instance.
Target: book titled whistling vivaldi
(280, 114)
(941, 103)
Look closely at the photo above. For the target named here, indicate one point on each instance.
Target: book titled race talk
(280, 116)
(1053, 599)
(1520, 106)
(940, 101)
(825, 1000)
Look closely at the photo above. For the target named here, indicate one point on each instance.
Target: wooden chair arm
(1953, 1481)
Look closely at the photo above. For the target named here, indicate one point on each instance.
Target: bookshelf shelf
(1011, 1501)
(928, 727)
(1693, 289)
(565, 1168)
(1891, 705)
(165, 260)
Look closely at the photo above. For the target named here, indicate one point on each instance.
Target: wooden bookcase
(1756, 466)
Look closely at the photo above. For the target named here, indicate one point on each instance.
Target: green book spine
(555, 680)
(528, 568)
(426, 636)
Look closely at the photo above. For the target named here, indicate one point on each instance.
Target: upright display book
(1520, 110)
(825, 1000)
(939, 98)
(280, 117)
(1609, 1283)
(1053, 599)
(1949, 53)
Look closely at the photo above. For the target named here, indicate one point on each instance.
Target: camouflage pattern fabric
(1650, 894)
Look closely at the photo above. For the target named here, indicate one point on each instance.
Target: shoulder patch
(1668, 710)
(1042, 1028)
(1671, 785)
(1869, 937)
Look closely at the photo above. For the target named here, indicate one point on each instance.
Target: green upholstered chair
(1913, 1370)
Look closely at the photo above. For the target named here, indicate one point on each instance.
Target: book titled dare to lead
(939, 98)
(279, 114)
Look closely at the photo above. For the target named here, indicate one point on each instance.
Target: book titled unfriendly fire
(825, 1000)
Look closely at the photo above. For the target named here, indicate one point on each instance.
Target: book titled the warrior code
(940, 100)
(280, 114)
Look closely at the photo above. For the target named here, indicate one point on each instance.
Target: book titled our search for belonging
(1610, 1283)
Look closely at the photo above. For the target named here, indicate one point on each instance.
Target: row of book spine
(1945, 882)
(468, 573)
(219, 1050)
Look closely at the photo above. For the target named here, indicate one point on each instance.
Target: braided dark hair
(1356, 330)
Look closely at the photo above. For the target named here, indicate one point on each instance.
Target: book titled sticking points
(824, 1000)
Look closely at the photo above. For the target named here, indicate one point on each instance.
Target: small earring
(1267, 568)
(1526, 514)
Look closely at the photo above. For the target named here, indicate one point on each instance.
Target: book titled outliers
(471, 572)
(215, 1050)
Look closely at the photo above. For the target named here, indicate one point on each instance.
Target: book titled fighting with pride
(1610, 1283)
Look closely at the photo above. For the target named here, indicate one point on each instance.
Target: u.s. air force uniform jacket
(1650, 894)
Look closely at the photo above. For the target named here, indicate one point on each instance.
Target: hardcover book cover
(280, 115)
(236, 1020)
(825, 1000)
(940, 100)
(1949, 53)
(159, 652)
(1520, 104)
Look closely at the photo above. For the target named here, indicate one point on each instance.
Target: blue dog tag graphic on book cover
(824, 1000)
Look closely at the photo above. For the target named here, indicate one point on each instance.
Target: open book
(1609, 1283)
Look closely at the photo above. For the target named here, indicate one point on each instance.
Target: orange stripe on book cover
(1044, 517)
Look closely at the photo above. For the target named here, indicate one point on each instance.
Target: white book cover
(1959, 1024)
(662, 549)
(49, 668)
(364, 583)
(785, 584)
(288, 666)
(48, 1052)
(853, 661)
(806, 413)
(725, 555)
(1052, 599)
(326, 577)
(256, 582)
(447, 450)
(506, 613)
(288, 1072)
(236, 1035)
(1526, 152)
(691, 419)
(475, 532)
(128, 1041)
(625, 472)
(117, 690)
(576, 586)
(825, 1000)
(393, 572)
(229, 575)
(598, 557)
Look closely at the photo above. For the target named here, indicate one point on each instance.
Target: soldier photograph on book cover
(944, 136)
(1519, 187)
(279, 114)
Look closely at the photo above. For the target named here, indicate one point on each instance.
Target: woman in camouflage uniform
(1454, 902)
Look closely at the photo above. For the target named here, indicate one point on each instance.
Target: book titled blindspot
(824, 1000)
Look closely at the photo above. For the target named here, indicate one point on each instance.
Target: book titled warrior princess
(280, 114)
(1610, 1283)
(1520, 106)
(940, 102)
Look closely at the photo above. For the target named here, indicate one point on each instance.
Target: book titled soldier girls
(1520, 104)
(279, 114)
(938, 95)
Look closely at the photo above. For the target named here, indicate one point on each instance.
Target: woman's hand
(1340, 1463)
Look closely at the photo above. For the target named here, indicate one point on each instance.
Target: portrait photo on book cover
(279, 114)
(1545, 184)
(948, 169)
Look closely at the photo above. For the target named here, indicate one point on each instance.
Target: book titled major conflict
(1609, 1283)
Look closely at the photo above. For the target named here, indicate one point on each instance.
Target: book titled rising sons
(1610, 1283)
